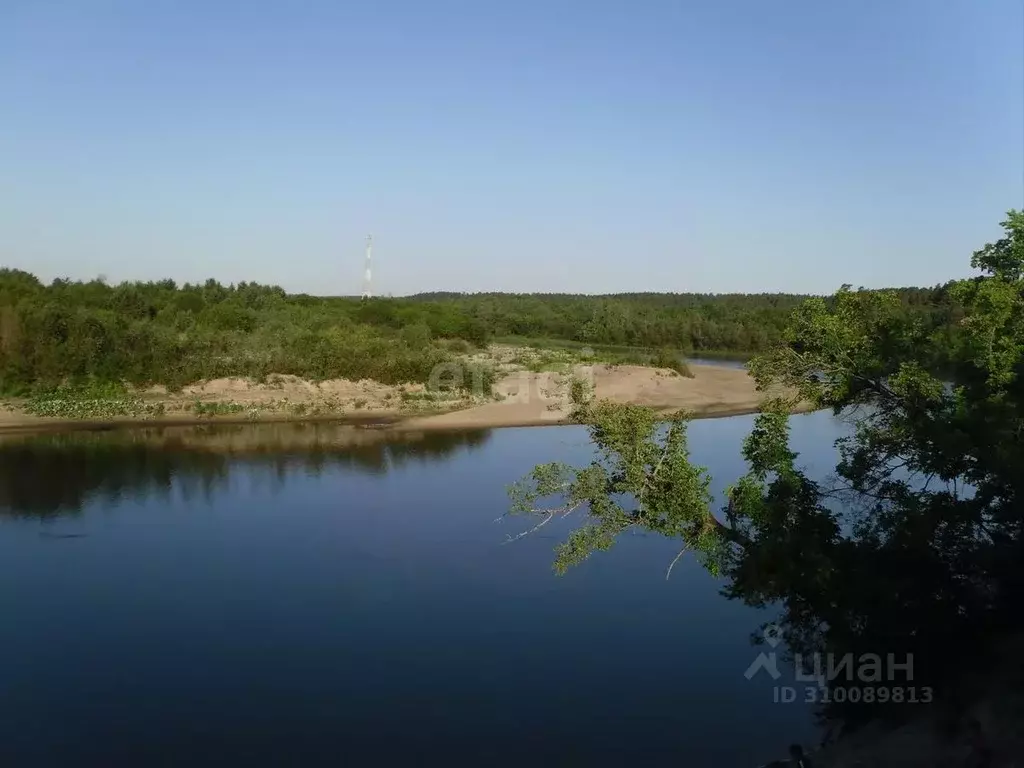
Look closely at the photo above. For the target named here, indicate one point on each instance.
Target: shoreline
(521, 398)
(391, 421)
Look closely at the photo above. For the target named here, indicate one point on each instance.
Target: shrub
(673, 360)
(458, 346)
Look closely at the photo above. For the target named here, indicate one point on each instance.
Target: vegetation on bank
(617, 353)
(562, 357)
(149, 333)
(162, 333)
(703, 325)
(913, 546)
(97, 400)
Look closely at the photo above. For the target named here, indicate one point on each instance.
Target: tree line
(160, 332)
(694, 323)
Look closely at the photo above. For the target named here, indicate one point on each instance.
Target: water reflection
(57, 474)
(280, 625)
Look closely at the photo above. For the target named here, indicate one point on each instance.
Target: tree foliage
(636, 461)
(144, 333)
(915, 545)
(160, 332)
(694, 323)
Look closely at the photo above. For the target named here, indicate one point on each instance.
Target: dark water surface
(278, 595)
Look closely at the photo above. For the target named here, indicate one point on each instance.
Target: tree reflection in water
(50, 475)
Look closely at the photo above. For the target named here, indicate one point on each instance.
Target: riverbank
(538, 399)
(519, 398)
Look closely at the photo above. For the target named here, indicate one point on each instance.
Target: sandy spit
(525, 398)
(537, 399)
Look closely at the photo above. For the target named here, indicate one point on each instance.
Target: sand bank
(525, 398)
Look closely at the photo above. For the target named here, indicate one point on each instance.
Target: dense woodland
(159, 332)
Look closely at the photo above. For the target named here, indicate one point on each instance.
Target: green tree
(917, 543)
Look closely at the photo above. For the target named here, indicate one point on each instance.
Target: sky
(582, 146)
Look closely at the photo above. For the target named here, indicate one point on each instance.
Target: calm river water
(318, 595)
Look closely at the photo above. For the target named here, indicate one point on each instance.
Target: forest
(158, 332)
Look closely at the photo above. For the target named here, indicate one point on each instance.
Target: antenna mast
(366, 272)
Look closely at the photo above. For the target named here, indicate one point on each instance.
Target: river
(277, 595)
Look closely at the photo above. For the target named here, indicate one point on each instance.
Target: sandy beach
(536, 399)
(524, 398)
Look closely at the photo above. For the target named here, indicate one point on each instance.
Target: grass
(428, 400)
(539, 360)
(88, 408)
(91, 399)
(200, 408)
(626, 351)
(566, 344)
(560, 357)
(103, 401)
(255, 410)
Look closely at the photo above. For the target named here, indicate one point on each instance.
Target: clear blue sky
(583, 145)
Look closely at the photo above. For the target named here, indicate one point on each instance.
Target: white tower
(366, 272)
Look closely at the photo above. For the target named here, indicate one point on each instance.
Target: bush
(416, 335)
(458, 346)
(673, 360)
